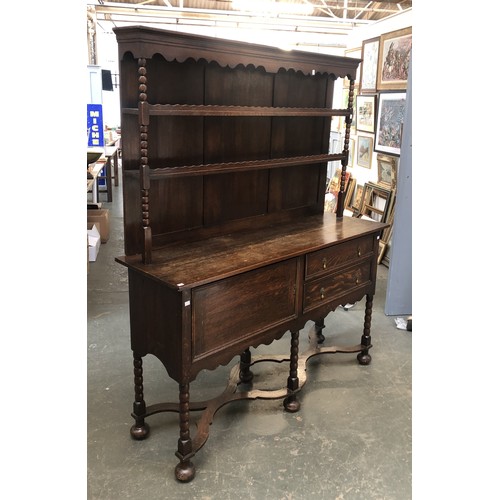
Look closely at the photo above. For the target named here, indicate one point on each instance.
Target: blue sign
(95, 126)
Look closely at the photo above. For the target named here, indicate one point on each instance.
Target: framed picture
(333, 189)
(394, 59)
(351, 186)
(356, 54)
(355, 204)
(345, 102)
(365, 149)
(375, 202)
(387, 170)
(352, 145)
(365, 113)
(369, 66)
(381, 251)
(390, 118)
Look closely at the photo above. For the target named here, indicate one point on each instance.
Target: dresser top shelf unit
(220, 136)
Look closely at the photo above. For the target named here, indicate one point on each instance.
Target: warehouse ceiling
(309, 17)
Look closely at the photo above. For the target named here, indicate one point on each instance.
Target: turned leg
(246, 374)
(290, 403)
(364, 357)
(184, 470)
(318, 327)
(140, 429)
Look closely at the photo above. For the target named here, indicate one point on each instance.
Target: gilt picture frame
(394, 59)
(364, 151)
(387, 170)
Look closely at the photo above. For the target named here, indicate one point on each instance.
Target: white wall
(393, 23)
(107, 58)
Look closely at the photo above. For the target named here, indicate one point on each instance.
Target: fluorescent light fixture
(273, 7)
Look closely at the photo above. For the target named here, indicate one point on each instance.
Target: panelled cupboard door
(260, 300)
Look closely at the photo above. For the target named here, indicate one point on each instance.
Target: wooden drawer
(329, 259)
(242, 307)
(333, 286)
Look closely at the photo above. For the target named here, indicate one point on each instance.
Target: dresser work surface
(185, 265)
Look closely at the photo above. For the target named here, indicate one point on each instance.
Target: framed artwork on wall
(390, 117)
(369, 66)
(365, 113)
(365, 149)
(352, 145)
(394, 59)
(356, 54)
(387, 170)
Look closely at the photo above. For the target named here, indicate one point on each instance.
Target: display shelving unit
(224, 160)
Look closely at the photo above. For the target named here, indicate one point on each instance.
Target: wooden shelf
(222, 168)
(212, 110)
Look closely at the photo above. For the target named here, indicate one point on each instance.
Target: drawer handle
(359, 252)
(357, 281)
(324, 263)
(322, 293)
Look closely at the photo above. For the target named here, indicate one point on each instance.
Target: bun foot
(318, 327)
(246, 376)
(364, 359)
(291, 404)
(139, 432)
(320, 338)
(185, 471)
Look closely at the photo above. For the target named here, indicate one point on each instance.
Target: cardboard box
(100, 216)
(94, 241)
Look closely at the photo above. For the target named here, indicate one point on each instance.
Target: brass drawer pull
(322, 293)
(357, 281)
(324, 263)
(359, 252)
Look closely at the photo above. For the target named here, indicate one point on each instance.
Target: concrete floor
(350, 440)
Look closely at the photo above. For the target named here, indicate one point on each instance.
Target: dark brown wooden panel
(173, 82)
(240, 86)
(294, 187)
(177, 204)
(131, 146)
(156, 321)
(294, 89)
(259, 300)
(235, 196)
(230, 139)
(298, 136)
(175, 141)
